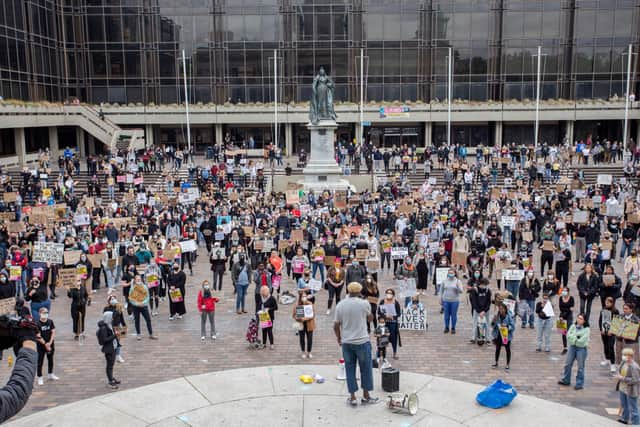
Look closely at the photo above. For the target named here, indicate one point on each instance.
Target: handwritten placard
(48, 252)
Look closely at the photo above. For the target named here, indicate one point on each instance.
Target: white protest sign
(399, 252)
(414, 319)
(508, 221)
(441, 275)
(512, 274)
(48, 252)
(315, 284)
(80, 220)
(188, 246)
(605, 179)
(615, 210)
(141, 198)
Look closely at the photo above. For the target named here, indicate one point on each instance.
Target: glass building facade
(130, 51)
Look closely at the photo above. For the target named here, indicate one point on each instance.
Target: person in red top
(19, 259)
(207, 308)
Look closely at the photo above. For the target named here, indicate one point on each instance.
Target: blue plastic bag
(497, 395)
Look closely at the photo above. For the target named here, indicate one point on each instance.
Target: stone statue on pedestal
(322, 98)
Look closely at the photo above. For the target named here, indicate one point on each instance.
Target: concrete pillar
(288, 138)
(92, 145)
(219, 134)
(54, 146)
(80, 139)
(359, 134)
(497, 141)
(149, 139)
(21, 145)
(428, 134)
(568, 134)
(636, 137)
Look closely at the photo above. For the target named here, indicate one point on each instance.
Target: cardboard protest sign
(268, 245)
(48, 252)
(407, 287)
(414, 319)
(293, 197)
(623, 328)
(284, 244)
(16, 227)
(248, 231)
(68, 277)
(218, 253)
(606, 245)
(138, 294)
(315, 285)
(95, 260)
(80, 220)
(72, 257)
(340, 200)
(361, 254)
(330, 261)
(508, 221)
(10, 197)
(527, 236)
(615, 210)
(548, 245)
(297, 235)
(580, 217)
(7, 306)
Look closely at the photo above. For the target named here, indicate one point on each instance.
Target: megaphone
(408, 403)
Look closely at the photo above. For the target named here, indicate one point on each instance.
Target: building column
(92, 145)
(219, 134)
(428, 134)
(21, 145)
(80, 141)
(497, 141)
(288, 138)
(149, 139)
(359, 134)
(637, 135)
(54, 146)
(568, 134)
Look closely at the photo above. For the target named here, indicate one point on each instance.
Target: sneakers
(352, 402)
(613, 368)
(153, 337)
(171, 318)
(40, 381)
(369, 400)
(139, 337)
(604, 363)
(303, 356)
(328, 312)
(213, 337)
(154, 313)
(202, 338)
(53, 377)
(116, 381)
(310, 356)
(120, 359)
(113, 385)
(179, 316)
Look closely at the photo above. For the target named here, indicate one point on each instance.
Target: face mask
(206, 287)
(450, 276)
(476, 275)
(113, 301)
(176, 268)
(303, 299)
(354, 263)
(389, 296)
(3, 279)
(44, 316)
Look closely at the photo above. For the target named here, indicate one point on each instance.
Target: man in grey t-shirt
(350, 327)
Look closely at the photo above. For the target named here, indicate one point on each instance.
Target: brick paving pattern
(179, 350)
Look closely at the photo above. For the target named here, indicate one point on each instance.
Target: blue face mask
(354, 263)
(450, 276)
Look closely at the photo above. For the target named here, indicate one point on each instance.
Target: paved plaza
(275, 396)
(180, 352)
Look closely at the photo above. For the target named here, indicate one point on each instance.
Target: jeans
(629, 409)
(475, 335)
(579, 354)
(241, 293)
(315, 267)
(513, 286)
(585, 307)
(360, 353)
(450, 313)
(543, 330)
(41, 354)
(211, 315)
(137, 311)
(111, 277)
(111, 360)
(626, 249)
(334, 293)
(530, 314)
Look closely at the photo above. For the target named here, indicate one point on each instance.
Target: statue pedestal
(322, 171)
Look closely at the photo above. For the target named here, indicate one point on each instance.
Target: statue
(322, 98)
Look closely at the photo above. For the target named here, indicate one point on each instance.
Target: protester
(45, 344)
(350, 328)
(207, 308)
(628, 387)
(390, 309)
(267, 307)
(578, 338)
(306, 323)
(502, 328)
(450, 292)
(107, 339)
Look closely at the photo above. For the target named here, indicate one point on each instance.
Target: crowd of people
(510, 251)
